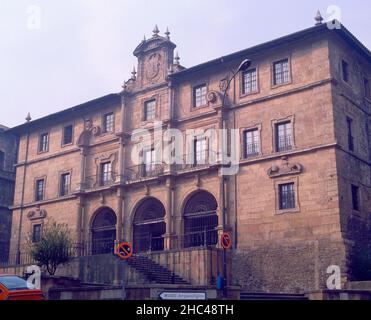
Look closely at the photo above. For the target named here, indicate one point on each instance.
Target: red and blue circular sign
(226, 240)
(125, 250)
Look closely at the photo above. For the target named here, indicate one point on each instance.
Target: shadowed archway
(103, 231)
(149, 226)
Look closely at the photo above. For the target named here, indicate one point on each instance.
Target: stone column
(119, 213)
(82, 167)
(79, 222)
(169, 214)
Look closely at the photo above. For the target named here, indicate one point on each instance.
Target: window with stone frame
(39, 189)
(36, 233)
(281, 72)
(350, 134)
(286, 195)
(150, 110)
(108, 122)
(251, 139)
(65, 184)
(67, 134)
(149, 161)
(200, 150)
(44, 142)
(105, 173)
(284, 136)
(199, 95)
(249, 81)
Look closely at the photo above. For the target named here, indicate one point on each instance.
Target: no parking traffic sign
(226, 240)
(125, 250)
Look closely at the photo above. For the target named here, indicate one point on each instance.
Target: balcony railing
(144, 171)
(252, 149)
(197, 160)
(100, 180)
(284, 143)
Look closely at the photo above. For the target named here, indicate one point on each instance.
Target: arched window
(149, 226)
(200, 220)
(103, 231)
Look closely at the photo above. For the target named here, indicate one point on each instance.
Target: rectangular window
(105, 173)
(67, 135)
(43, 142)
(281, 72)
(39, 190)
(149, 110)
(251, 143)
(149, 161)
(200, 151)
(250, 81)
(65, 184)
(36, 233)
(367, 87)
(108, 122)
(355, 198)
(199, 96)
(350, 134)
(345, 70)
(283, 136)
(286, 196)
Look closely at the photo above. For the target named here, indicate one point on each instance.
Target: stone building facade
(302, 116)
(8, 154)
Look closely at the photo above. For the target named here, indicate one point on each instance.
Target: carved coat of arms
(153, 66)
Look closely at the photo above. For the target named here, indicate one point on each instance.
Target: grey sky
(83, 49)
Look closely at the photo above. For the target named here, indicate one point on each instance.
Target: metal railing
(284, 143)
(149, 242)
(252, 149)
(100, 180)
(143, 171)
(197, 160)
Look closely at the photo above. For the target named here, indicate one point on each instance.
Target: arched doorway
(201, 220)
(103, 231)
(149, 226)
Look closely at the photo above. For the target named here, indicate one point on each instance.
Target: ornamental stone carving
(285, 169)
(37, 214)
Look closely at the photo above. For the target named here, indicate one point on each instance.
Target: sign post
(124, 252)
(176, 295)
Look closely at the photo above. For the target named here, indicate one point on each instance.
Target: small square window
(44, 142)
(36, 233)
(251, 143)
(39, 190)
(65, 184)
(67, 134)
(281, 72)
(249, 81)
(149, 110)
(286, 193)
(108, 122)
(345, 71)
(355, 198)
(199, 96)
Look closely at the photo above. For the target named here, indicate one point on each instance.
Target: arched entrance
(149, 226)
(103, 231)
(201, 220)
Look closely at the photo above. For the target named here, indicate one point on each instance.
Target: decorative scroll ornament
(89, 130)
(37, 214)
(285, 169)
(212, 96)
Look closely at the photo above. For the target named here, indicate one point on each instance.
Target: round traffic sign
(125, 250)
(226, 240)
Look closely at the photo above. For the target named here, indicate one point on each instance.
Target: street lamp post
(244, 65)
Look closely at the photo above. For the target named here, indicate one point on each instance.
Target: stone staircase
(271, 296)
(153, 271)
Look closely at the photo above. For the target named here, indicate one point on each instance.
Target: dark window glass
(250, 83)
(350, 134)
(283, 136)
(43, 143)
(108, 122)
(281, 72)
(36, 233)
(286, 196)
(355, 197)
(67, 135)
(200, 151)
(2, 160)
(199, 95)
(106, 173)
(150, 110)
(367, 87)
(65, 184)
(345, 70)
(252, 143)
(39, 192)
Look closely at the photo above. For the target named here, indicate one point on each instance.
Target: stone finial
(28, 118)
(177, 58)
(318, 18)
(134, 74)
(156, 31)
(144, 38)
(167, 33)
(124, 85)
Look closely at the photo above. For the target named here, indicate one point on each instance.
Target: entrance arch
(103, 231)
(149, 226)
(201, 220)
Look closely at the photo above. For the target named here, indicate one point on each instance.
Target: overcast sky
(82, 49)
